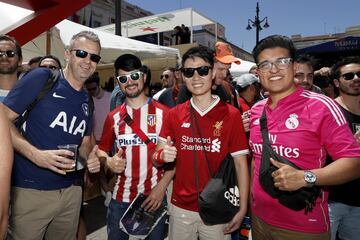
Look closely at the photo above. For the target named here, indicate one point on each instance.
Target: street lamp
(256, 23)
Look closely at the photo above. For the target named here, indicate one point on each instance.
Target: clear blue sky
(287, 17)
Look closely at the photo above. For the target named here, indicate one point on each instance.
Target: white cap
(245, 80)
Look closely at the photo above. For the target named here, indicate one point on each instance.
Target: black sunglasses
(83, 54)
(9, 53)
(350, 75)
(133, 76)
(164, 76)
(202, 71)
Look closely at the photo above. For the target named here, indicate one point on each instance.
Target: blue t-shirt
(60, 117)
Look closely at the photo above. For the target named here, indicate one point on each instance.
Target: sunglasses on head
(83, 54)
(202, 71)
(9, 53)
(164, 76)
(133, 76)
(350, 75)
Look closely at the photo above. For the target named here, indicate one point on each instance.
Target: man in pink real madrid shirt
(303, 126)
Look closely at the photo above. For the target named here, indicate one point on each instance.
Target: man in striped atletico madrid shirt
(303, 126)
(133, 160)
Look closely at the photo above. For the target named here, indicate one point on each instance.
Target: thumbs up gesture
(92, 162)
(116, 163)
(169, 152)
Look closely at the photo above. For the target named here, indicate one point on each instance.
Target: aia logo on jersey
(151, 120)
(85, 108)
(292, 122)
(217, 128)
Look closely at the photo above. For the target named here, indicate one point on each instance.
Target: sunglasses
(9, 53)
(202, 71)
(134, 76)
(83, 54)
(164, 76)
(350, 75)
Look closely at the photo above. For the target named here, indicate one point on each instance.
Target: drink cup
(72, 148)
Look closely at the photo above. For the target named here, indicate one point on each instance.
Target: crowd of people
(167, 141)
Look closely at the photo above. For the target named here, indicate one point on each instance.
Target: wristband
(158, 159)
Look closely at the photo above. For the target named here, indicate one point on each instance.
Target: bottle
(244, 231)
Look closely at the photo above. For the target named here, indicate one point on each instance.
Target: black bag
(219, 201)
(303, 198)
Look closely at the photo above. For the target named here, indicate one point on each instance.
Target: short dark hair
(127, 62)
(8, 38)
(34, 60)
(51, 57)
(146, 70)
(274, 41)
(335, 70)
(204, 53)
(94, 78)
(305, 59)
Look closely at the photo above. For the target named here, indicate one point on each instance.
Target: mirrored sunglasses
(350, 75)
(202, 71)
(83, 54)
(133, 76)
(9, 53)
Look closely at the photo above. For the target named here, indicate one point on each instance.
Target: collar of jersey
(212, 105)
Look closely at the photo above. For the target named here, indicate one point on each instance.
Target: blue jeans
(345, 220)
(115, 212)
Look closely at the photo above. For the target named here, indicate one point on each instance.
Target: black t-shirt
(348, 193)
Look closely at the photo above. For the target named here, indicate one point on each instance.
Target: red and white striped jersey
(139, 176)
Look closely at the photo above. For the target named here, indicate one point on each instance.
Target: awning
(112, 45)
(163, 22)
(44, 15)
(344, 44)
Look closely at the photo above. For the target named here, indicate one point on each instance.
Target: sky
(286, 17)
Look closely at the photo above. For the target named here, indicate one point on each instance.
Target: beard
(10, 69)
(348, 90)
(134, 94)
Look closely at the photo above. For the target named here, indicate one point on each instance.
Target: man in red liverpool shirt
(221, 132)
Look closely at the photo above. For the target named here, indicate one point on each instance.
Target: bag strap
(48, 85)
(193, 115)
(195, 162)
(130, 122)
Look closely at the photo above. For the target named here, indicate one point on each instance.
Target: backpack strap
(49, 84)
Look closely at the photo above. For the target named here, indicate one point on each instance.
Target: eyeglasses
(9, 53)
(350, 75)
(280, 63)
(202, 71)
(133, 76)
(83, 54)
(164, 76)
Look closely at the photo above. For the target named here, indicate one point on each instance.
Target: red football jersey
(221, 131)
(139, 176)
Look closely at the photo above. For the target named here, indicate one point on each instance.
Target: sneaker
(107, 199)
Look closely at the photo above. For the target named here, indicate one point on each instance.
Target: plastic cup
(72, 148)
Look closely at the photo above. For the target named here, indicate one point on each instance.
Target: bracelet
(158, 159)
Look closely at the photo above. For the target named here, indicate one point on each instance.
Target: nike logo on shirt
(58, 96)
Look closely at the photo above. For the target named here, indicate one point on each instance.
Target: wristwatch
(310, 178)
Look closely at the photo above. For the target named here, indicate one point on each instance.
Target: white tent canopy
(163, 22)
(244, 67)
(112, 45)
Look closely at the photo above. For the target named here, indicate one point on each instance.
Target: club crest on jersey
(85, 108)
(151, 120)
(292, 122)
(217, 128)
